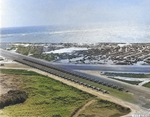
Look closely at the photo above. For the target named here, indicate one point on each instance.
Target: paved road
(109, 68)
(142, 94)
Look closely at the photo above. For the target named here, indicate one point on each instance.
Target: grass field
(131, 75)
(114, 92)
(103, 108)
(48, 97)
(147, 85)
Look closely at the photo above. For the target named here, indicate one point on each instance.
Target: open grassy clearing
(131, 75)
(114, 92)
(147, 85)
(46, 96)
(103, 108)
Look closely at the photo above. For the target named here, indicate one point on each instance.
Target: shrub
(12, 97)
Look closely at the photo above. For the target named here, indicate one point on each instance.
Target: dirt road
(83, 108)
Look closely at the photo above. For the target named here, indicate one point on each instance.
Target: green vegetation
(54, 56)
(12, 48)
(131, 75)
(114, 92)
(46, 96)
(29, 50)
(26, 50)
(36, 51)
(48, 57)
(19, 72)
(103, 108)
(130, 82)
(51, 98)
(147, 85)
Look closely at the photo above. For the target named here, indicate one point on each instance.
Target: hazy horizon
(82, 20)
(87, 34)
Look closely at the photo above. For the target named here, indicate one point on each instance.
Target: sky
(17, 13)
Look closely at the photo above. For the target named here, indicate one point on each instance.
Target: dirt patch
(13, 65)
(8, 82)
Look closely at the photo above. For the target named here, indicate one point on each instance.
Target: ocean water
(62, 34)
